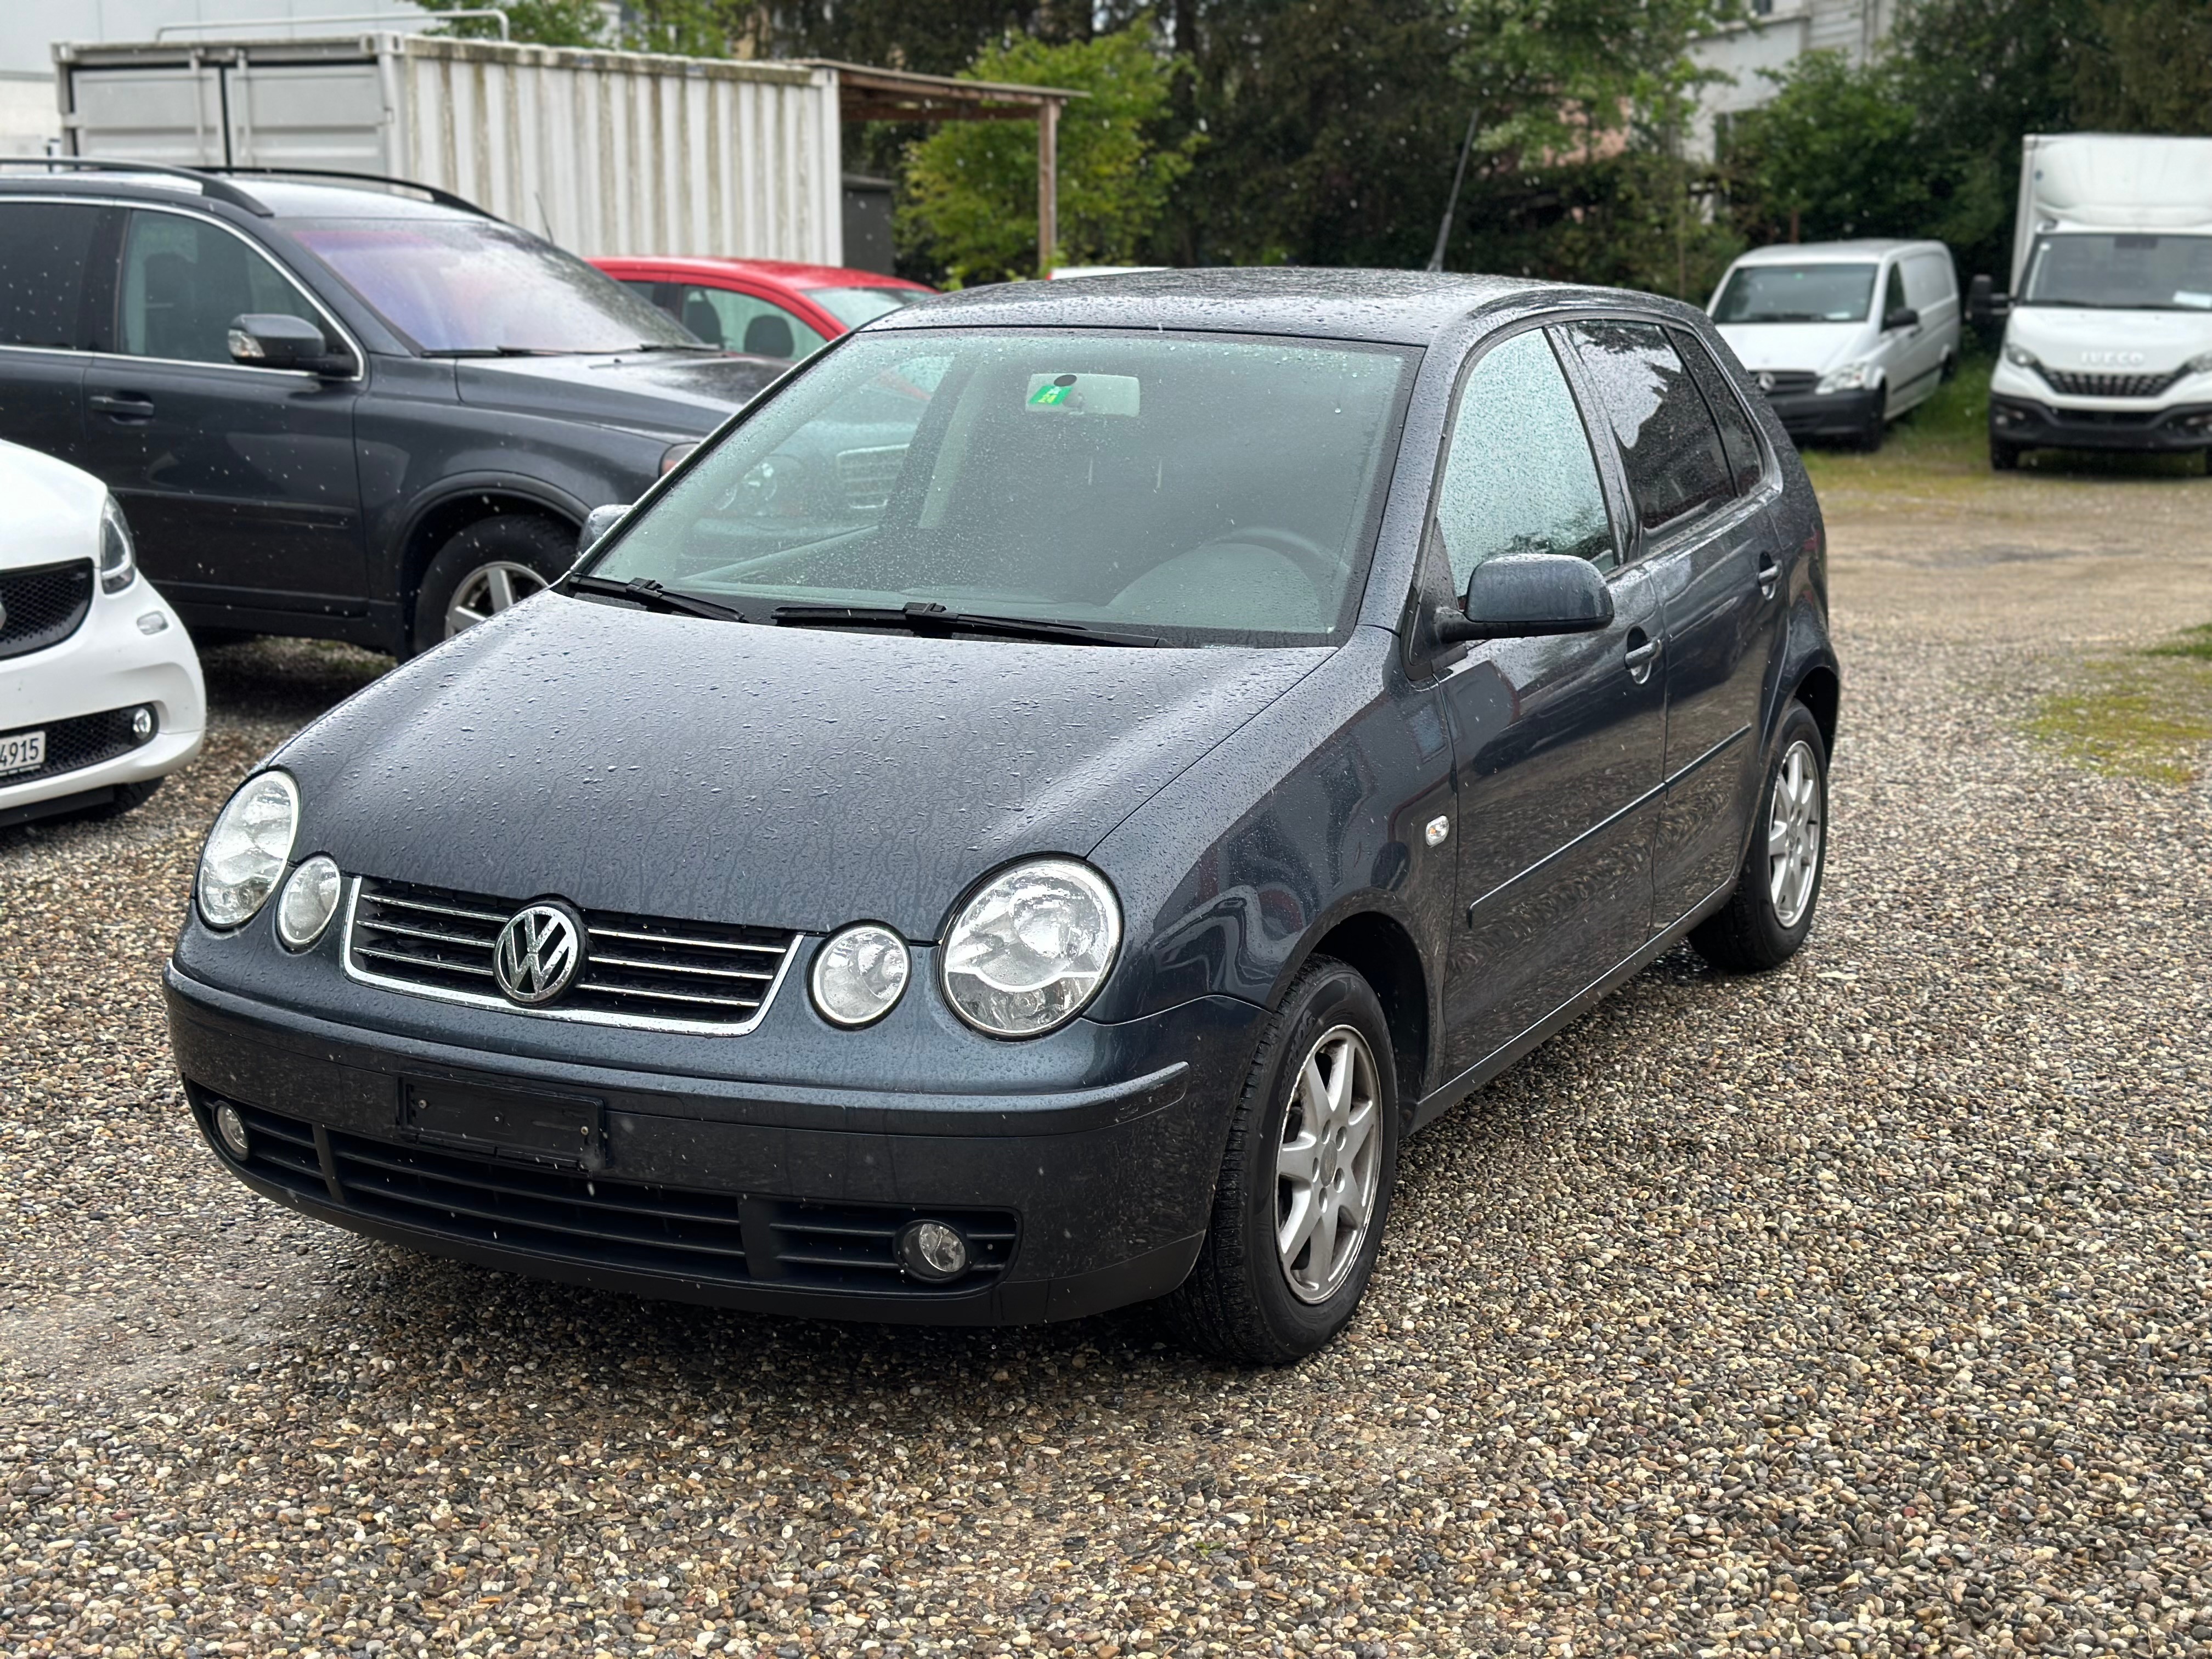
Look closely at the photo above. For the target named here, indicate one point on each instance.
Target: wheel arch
(1821, 689)
(1378, 946)
(439, 519)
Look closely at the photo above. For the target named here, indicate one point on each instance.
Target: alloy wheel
(488, 589)
(1327, 1163)
(1793, 834)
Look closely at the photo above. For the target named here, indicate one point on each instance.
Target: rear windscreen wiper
(934, 620)
(644, 590)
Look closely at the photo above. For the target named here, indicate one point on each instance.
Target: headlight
(1030, 949)
(1851, 377)
(247, 849)
(310, 899)
(2021, 357)
(676, 454)
(118, 557)
(2200, 364)
(858, 974)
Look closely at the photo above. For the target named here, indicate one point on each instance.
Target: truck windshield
(472, 287)
(2121, 272)
(1199, 489)
(1797, 294)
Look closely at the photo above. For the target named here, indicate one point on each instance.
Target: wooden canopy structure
(868, 94)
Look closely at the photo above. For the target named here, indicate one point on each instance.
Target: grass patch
(2145, 714)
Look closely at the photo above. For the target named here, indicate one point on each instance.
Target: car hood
(2110, 341)
(1814, 346)
(725, 772)
(689, 393)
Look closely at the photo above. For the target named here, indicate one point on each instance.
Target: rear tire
(485, 567)
(1316, 1135)
(2004, 457)
(1769, 913)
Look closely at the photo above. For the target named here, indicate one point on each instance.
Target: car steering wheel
(1316, 562)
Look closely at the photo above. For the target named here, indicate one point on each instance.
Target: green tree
(2148, 68)
(971, 197)
(541, 22)
(1835, 153)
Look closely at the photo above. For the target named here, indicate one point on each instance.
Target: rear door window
(1676, 466)
(185, 279)
(1519, 477)
(1738, 440)
(45, 266)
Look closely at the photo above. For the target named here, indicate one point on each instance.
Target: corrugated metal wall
(619, 152)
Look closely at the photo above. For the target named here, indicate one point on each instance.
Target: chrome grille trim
(375, 951)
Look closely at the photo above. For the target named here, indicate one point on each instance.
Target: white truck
(603, 153)
(2108, 325)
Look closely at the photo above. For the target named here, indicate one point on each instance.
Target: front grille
(709, 977)
(602, 1222)
(81, 740)
(2109, 386)
(1785, 382)
(44, 605)
(868, 475)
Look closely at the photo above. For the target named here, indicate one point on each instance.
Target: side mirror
(273, 340)
(1903, 316)
(598, 522)
(1984, 305)
(1529, 594)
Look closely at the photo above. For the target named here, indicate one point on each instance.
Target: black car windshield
(469, 286)
(1199, 489)
(855, 305)
(2122, 272)
(1816, 293)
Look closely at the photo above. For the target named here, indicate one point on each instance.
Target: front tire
(2004, 457)
(1877, 425)
(1769, 913)
(1305, 1180)
(485, 567)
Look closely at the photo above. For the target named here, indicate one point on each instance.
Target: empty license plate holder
(567, 1132)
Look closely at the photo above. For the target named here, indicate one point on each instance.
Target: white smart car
(100, 695)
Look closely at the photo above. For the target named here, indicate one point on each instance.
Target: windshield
(855, 305)
(2122, 273)
(1796, 294)
(475, 286)
(1198, 489)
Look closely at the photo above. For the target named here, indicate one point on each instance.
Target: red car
(770, 308)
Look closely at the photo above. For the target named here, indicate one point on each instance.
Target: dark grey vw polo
(1030, 816)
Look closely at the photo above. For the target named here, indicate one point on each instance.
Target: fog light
(141, 724)
(231, 1125)
(933, 1251)
(310, 899)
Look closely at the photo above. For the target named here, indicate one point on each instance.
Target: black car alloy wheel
(1305, 1179)
(485, 569)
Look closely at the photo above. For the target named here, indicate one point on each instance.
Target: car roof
(285, 198)
(1398, 307)
(1864, 247)
(790, 272)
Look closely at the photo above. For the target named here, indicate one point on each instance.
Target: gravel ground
(1857, 1309)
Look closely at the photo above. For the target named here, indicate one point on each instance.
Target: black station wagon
(1030, 816)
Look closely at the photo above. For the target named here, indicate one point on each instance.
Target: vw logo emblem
(1766, 381)
(539, 953)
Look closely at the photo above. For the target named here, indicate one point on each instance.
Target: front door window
(184, 281)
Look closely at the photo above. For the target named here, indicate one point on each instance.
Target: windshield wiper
(674, 345)
(933, 621)
(644, 590)
(500, 351)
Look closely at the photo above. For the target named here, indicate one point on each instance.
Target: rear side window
(45, 256)
(1519, 477)
(185, 279)
(1676, 467)
(1929, 280)
(1738, 441)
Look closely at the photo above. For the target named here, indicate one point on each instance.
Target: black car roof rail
(218, 189)
(442, 198)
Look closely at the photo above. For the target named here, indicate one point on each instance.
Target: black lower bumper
(700, 1197)
(1826, 414)
(2026, 424)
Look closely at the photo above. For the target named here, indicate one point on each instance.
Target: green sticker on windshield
(1084, 394)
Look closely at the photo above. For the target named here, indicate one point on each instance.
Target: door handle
(1643, 652)
(1768, 574)
(124, 406)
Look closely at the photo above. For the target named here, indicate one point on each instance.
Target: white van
(2108, 341)
(1842, 337)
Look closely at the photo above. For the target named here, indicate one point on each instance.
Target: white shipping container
(605, 153)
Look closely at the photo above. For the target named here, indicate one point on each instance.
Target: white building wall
(1772, 40)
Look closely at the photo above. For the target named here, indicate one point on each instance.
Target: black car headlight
(247, 849)
(1032, 947)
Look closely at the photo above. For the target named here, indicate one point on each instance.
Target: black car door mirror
(1984, 305)
(274, 340)
(1529, 594)
(598, 522)
(1903, 316)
